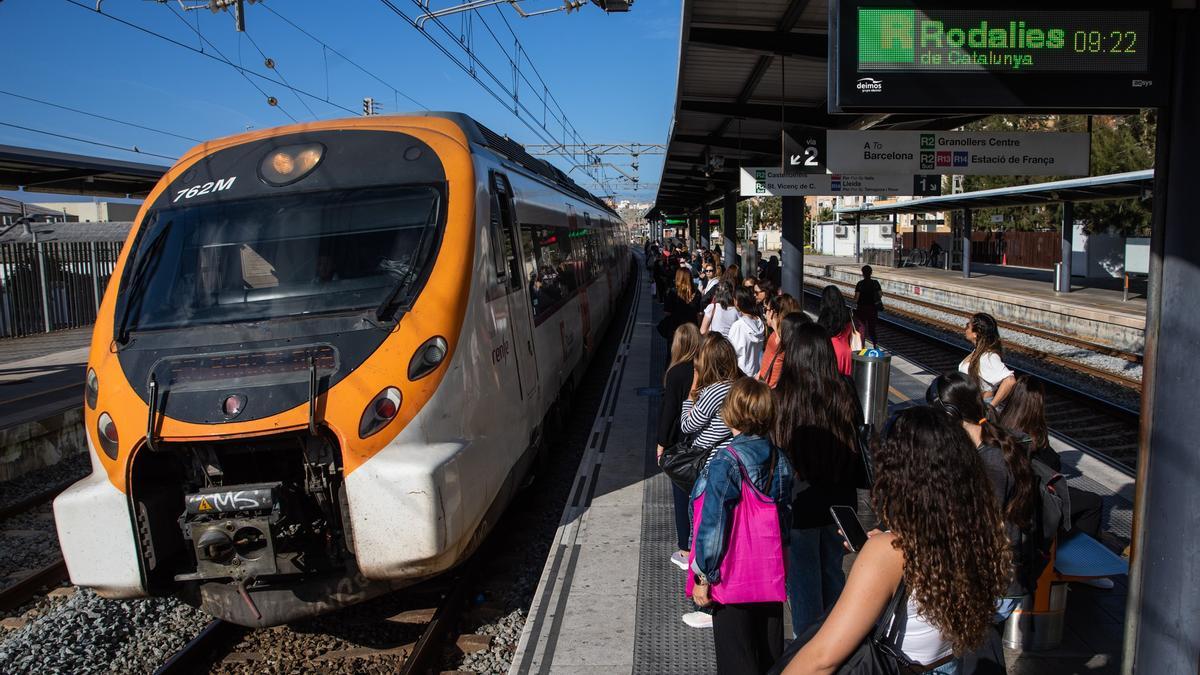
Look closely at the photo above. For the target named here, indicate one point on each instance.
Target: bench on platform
(1037, 623)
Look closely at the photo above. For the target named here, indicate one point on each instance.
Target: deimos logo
(869, 85)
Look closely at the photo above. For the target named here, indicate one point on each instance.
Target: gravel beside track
(28, 541)
(86, 634)
(49, 480)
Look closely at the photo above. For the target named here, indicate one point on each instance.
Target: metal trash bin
(872, 369)
(1032, 630)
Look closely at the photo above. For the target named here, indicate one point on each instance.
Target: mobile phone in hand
(847, 521)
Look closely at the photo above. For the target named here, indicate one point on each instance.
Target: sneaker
(698, 619)
(680, 559)
(1103, 583)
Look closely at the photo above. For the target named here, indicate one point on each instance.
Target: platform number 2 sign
(804, 150)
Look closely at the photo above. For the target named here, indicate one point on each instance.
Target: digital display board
(895, 55)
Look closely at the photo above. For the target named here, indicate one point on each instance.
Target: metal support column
(857, 239)
(1162, 624)
(966, 243)
(41, 256)
(1068, 235)
(792, 245)
(95, 273)
(729, 229)
(705, 230)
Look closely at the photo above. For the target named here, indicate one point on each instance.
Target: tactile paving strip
(663, 643)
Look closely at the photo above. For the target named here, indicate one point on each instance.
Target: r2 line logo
(205, 188)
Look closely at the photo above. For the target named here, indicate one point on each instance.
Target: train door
(520, 317)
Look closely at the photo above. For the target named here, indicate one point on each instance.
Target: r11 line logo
(869, 85)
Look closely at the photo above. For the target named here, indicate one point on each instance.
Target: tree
(1118, 144)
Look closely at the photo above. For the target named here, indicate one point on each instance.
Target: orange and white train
(325, 361)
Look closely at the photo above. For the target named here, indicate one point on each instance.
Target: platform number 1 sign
(803, 150)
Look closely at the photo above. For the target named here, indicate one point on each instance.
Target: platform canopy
(58, 172)
(1092, 188)
(746, 71)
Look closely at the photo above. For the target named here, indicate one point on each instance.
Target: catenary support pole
(966, 243)
(729, 229)
(857, 239)
(1068, 233)
(792, 245)
(1162, 626)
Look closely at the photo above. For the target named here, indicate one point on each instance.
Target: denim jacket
(721, 484)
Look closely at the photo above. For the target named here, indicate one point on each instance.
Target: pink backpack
(753, 568)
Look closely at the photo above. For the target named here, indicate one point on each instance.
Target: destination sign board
(889, 55)
(764, 181)
(967, 153)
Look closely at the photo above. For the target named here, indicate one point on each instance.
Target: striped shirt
(702, 417)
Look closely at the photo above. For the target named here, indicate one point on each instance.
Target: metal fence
(52, 286)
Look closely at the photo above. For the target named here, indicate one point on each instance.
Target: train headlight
(381, 410)
(92, 389)
(106, 429)
(286, 165)
(427, 358)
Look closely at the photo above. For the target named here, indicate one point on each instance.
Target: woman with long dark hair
(748, 332)
(945, 542)
(985, 363)
(1008, 469)
(835, 318)
(677, 383)
(816, 425)
(1025, 412)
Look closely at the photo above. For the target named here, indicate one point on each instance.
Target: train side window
(495, 241)
(504, 218)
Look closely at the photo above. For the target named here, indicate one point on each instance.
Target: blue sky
(614, 75)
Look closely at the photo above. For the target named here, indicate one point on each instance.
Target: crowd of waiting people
(761, 431)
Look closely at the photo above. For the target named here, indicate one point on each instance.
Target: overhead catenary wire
(326, 47)
(510, 100)
(274, 102)
(219, 59)
(271, 64)
(98, 116)
(134, 149)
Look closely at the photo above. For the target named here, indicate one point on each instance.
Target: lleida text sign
(962, 56)
(763, 181)
(958, 152)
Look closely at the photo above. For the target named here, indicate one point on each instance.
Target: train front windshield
(261, 259)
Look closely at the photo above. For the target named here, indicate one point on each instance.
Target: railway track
(1054, 359)
(1105, 430)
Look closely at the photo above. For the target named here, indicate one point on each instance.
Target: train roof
(515, 152)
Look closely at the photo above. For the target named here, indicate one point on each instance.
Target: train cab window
(261, 259)
(505, 252)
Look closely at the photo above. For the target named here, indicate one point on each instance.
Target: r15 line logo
(869, 85)
(205, 188)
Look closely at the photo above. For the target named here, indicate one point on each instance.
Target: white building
(94, 212)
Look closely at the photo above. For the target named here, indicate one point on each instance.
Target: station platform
(1094, 313)
(610, 601)
(41, 399)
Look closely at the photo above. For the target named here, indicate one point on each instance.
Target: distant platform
(41, 399)
(1017, 295)
(610, 601)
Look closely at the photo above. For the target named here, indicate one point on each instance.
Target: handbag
(877, 654)
(683, 463)
(752, 569)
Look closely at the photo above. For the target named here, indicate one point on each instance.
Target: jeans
(814, 577)
(683, 518)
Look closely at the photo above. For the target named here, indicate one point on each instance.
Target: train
(326, 362)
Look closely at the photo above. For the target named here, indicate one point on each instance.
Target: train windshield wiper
(386, 311)
(148, 261)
